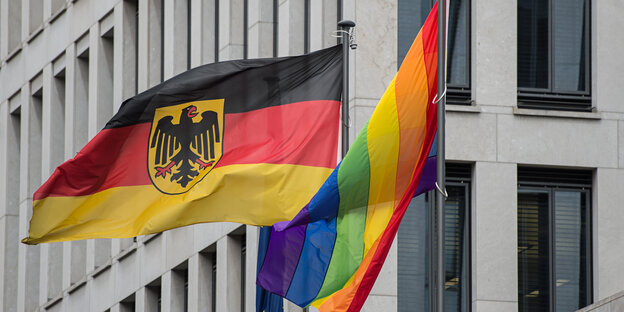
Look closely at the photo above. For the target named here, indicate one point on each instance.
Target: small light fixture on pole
(348, 42)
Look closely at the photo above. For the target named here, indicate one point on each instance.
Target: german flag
(246, 141)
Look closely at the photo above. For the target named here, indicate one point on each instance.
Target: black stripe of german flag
(245, 85)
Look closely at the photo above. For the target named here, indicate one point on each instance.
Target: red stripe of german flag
(274, 135)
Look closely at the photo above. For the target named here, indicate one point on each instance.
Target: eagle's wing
(164, 140)
(205, 133)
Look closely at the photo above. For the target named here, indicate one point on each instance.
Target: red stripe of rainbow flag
(330, 254)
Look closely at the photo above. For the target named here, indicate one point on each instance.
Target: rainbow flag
(330, 254)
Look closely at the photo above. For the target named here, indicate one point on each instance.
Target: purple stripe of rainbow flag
(330, 254)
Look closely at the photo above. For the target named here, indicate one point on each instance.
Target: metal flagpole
(441, 175)
(345, 27)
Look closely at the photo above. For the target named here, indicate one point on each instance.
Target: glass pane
(455, 248)
(569, 45)
(413, 277)
(533, 44)
(457, 44)
(413, 260)
(533, 281)
(570, 250)
(411, 15)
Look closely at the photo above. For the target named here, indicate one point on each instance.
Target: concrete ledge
(56, 14)
(101, 269)
(77, 285)
(149, 237)
(611, 303)
(34, 34)
(128, 251)
(463, 108)
(53, 301)
(12, 54)
(555, 113)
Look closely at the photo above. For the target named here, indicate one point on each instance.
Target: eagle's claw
(162, 171)
(203, 165)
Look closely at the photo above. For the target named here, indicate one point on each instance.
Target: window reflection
(533, 44)
(533, 281)
(553, 49)
(553, 249)
(415, 253)
(569, 45)
(570, 250)
(457, 71)
(412, 15)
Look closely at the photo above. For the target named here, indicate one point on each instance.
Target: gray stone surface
(471, 136)
(494, 234)
(607, 224)
(535, 140)
(621, 143)
(494, 47)
(493, 306)
(607, 45)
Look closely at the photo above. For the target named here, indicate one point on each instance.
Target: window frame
(455, 94)
(458, 175)
(550, 188)
(462, 94)
(466, 290)
(548, 98)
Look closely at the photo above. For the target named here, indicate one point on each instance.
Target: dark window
(415, 253)
(128, 304)
(553, 54)
(412, 15)
(245, 29)
(153, 296)
(306, 26)
(554, 239)
(275, 27)
(243, 240)
(213, 282)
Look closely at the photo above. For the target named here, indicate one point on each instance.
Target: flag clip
(436, 99)
(350, 34)
(348, 123)
(444, 193)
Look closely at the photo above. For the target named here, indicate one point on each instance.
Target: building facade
(535, 147)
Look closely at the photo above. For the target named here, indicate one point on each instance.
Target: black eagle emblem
(183, 138)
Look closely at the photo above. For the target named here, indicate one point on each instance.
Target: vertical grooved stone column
(203, 29)
(176, 47)
(228, 274)
(495, 237)
(231, 30)
(291, 27)
(260, 28)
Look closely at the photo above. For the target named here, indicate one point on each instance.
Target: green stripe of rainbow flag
(330, 254)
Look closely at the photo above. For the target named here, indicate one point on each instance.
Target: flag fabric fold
(330, 253)
(246, 141)
(266, 301)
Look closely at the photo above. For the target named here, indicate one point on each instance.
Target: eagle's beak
(192, 112)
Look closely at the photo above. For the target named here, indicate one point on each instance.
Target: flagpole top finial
(346, 23)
